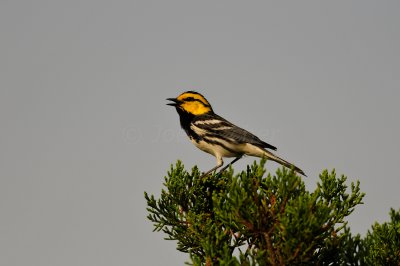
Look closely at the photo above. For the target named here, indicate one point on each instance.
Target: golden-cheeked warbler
(215, 135)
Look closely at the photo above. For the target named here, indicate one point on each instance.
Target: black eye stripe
(191, 99)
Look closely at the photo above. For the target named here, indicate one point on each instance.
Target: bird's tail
(273, 157)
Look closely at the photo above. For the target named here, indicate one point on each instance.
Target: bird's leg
(220, 162)
(233, 161)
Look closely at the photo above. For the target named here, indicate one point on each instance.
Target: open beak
(175, 102)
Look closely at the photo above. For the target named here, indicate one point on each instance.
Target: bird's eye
(189, 99)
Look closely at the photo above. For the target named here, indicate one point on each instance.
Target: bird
(217, 136)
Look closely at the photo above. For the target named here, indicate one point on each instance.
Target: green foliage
(257, 219)
(382, 244)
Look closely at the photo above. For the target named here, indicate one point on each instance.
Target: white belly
(217, 150)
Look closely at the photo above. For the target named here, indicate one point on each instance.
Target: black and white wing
(212, 125)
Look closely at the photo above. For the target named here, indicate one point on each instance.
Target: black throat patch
(186, 119)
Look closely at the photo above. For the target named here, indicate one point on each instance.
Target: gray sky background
(85, 129)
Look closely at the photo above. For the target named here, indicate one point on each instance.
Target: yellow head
(191, 102)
